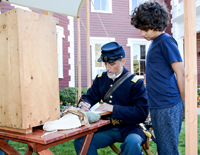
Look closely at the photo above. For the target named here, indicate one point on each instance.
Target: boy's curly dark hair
(150, 15)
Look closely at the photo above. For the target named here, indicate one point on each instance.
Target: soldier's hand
(84, 105)
(106, 107)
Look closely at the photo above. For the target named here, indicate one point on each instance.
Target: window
(138, 49)
(60, 36)
(139, 59)
(134, 3)
(96, 43)
(176, 2)
(103, 6)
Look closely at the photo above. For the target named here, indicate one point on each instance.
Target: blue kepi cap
(111, 52)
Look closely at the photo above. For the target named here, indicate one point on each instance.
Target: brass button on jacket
(110, 101)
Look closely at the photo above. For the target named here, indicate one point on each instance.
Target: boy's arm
(180, 75)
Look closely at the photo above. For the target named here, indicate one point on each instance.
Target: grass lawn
(68, 148)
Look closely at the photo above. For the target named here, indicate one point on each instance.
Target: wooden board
(191, 137)
(10, 94)
(29, 94)
(26, 131)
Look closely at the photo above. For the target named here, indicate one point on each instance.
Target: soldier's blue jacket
(129, 100)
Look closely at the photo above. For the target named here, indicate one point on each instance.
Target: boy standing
(165, 76)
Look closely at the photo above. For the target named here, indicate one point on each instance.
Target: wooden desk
(39, 144)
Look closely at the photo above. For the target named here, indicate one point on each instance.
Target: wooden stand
(29, 93)
(26, 131)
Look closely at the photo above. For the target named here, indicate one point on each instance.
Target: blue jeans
(130, 146)
(167, 126)
(1, 152)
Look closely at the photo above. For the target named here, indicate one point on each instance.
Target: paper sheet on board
(94, 107)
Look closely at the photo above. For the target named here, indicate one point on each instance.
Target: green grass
(68, 148)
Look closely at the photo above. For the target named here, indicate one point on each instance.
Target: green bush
(198, 90)
(198, 96)
(70, 95)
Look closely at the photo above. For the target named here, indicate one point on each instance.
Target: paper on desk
(94, 107)
(69, 121)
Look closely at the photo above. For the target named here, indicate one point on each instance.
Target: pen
(81, 105)
(82, 100)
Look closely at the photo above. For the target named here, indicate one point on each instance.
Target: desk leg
(29, 151)
(45, 152)
(7, 148)
(86, 143)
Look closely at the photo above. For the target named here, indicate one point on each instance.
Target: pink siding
(198, 58)
(5, 7)
(167, 2)
(117, 25)
(63, 22)
(168, 29)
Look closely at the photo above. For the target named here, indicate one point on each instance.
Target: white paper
(94, 107)
(68, 121)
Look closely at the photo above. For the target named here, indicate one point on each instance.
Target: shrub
(198, 96)
(69, 95)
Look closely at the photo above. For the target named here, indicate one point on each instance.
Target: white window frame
(138, 2)
(131, 42)
(176, 2)
(21, 7)
(60, 36)
(101, 11)
(93, 41)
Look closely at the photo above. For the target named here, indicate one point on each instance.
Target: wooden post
(88, 43)
(190, 77)
(79, 56)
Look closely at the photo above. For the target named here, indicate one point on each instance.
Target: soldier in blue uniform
(128, 104)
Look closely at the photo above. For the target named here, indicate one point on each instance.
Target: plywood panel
(29, 74)
(10, 95)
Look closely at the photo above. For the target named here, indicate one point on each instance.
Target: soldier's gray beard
(114, 75)
(111, 77)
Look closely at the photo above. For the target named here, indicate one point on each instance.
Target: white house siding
(71, 51)
(178, 22)
(178, 28)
